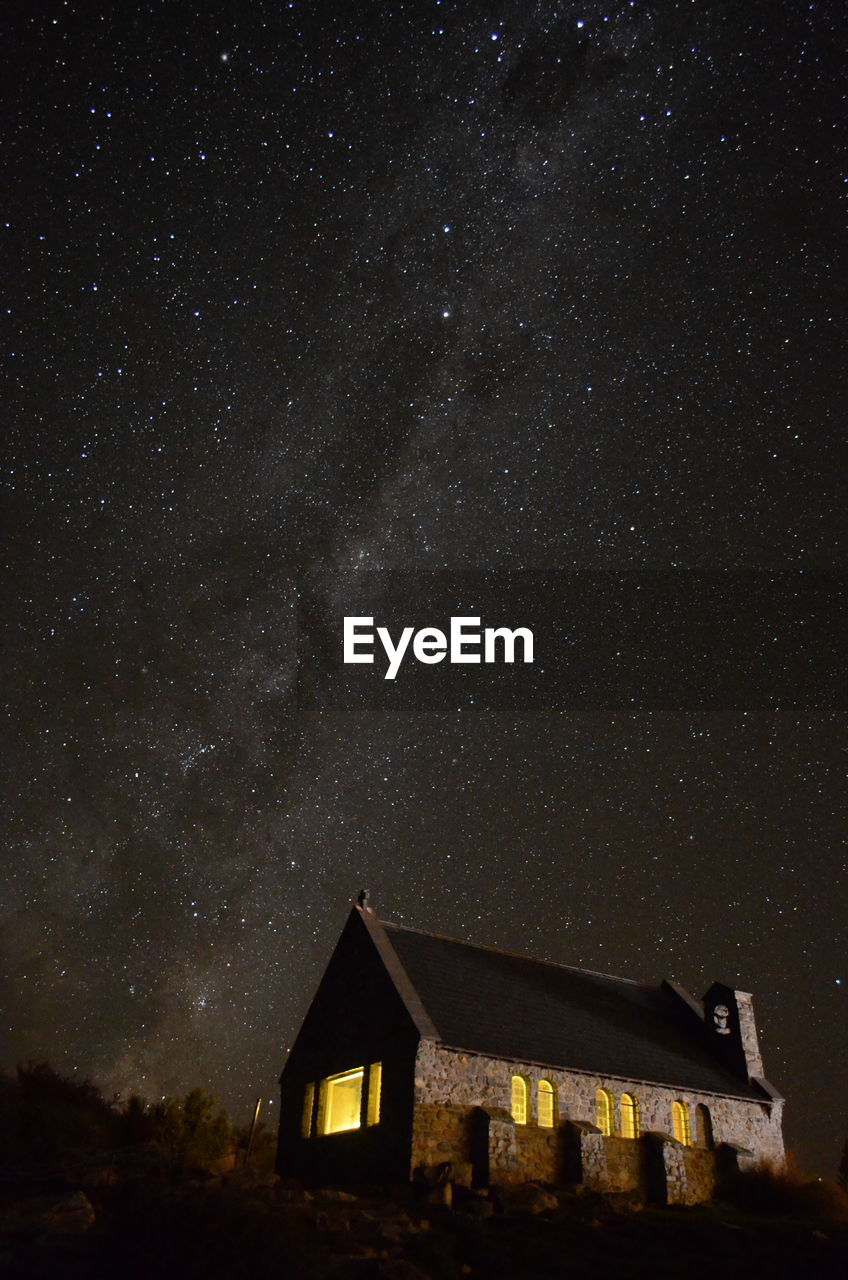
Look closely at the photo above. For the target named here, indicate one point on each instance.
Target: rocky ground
(142, 1225)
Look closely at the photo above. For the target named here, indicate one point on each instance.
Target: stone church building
(419, 1050)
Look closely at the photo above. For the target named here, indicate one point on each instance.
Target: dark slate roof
(510, 1006)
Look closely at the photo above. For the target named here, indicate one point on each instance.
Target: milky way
(532, 312)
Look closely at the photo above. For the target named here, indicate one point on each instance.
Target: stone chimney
(732, 1031)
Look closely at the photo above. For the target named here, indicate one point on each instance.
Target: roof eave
(402, 982)
(614, 1075)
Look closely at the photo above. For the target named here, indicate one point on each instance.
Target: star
(188, 749)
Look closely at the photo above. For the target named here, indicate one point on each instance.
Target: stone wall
(441, 1132)
(625, 1165)
(586, 1157)
(700, 1174)
(452, 1087)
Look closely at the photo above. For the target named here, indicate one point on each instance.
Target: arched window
(519, 1100)
(547, 1099)
(604, 1111)
(703, 1126)
(629, 1116)
(680, 1123)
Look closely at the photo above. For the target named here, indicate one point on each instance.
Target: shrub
(769, 1192)
(192, 1133)
(43, 1115)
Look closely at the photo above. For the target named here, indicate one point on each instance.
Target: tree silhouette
(43, 1114)
(192, 1132)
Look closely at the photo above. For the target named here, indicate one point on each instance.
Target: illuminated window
(680, 1123)
(308, 1104)
(519, 1100)
(340, 1101)
(375, 1081)
(546, 1104)
(629, 1116)
(604, 1111)
(342, 1108)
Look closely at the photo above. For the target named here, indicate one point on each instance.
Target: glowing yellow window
(308, 1104)
(546, 1104)
(343, 1101)
(680, 1123)
(604, 1111)
(519, 1100)
(375, 1081)
(629, 1116)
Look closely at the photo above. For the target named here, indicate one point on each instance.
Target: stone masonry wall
(625, 1164)
(700, 1169)
(450, 1084)
(441, 1133)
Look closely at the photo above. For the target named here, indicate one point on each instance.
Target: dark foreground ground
(233, 1228)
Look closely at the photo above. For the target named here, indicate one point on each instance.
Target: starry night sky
(531, 311)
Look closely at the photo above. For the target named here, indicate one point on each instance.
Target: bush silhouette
(43, 1114)
(193, 1132)
(769, 1192)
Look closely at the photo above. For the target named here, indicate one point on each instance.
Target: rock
(69, 1214)
(622, 1201)
(291, 1195)
(378, 1269)
(393, 1229)
(250, 1178)
(469, 1202)
(530, 1197)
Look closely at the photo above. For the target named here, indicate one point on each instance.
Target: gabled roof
(510, 1006)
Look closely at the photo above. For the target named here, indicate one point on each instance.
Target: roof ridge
(519, 955)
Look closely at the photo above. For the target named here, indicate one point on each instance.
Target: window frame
(307, 1115)
(605, 1111)
(704, 1127)
(519, 1099)
(318, 1101)
(328, 1085)
(374, 1095)
(546, 1102)
(631, 1127)
(681, 1124)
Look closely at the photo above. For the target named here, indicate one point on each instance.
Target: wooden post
(252, 1131)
